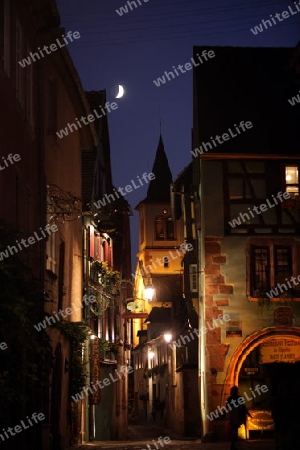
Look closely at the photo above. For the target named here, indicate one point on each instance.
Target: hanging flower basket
(106, 276)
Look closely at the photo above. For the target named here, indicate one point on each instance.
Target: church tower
(161, 241)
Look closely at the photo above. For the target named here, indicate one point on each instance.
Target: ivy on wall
(76, 333)
(25, 364)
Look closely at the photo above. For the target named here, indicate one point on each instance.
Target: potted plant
(105, 273)
(114, 348)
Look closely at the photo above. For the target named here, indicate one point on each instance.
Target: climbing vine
(106, 276)
(26, 362)
(76, 333)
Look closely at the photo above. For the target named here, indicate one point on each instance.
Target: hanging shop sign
(279, 350)
(94, 397)
(130, 315)
(260, 420)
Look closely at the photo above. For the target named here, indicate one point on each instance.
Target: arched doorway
(269, 357)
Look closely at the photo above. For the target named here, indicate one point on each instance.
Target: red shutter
(105, 251)
(92, 242)
(97, 248)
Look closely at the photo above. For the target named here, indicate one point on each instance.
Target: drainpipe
(85, 432)
(202, 336)
(45, 428)
(85, 435)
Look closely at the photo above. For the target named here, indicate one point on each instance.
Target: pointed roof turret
(159, 188)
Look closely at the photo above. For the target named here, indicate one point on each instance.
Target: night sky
(138, 47)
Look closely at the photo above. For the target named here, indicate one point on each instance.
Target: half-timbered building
(246, 183)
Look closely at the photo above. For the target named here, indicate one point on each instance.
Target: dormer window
(164, 228)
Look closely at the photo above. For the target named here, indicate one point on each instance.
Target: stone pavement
(141, 434)
(178, 445)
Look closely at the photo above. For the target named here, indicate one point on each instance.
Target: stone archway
(247, 346)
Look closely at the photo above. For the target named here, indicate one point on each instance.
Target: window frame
(253, 260)
(271, 245)
(166, 261)
(276, 259)
(51, 254)
(159, 220)
(169, 229)
(292, 185)
(166, 233)
(193, 272)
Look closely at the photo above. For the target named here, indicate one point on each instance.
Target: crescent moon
(120, 91)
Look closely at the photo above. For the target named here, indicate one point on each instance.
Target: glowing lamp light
(151, 355)
(93, 337)
(149, 292)
(167, 337)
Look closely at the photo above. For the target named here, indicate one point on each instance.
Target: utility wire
(197, 34)
(114, 39)
(227, 8)
(206, 22)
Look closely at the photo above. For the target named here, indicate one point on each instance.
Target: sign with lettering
(279, 350)
(250, 370)
(94, 397)
(130, 315)
(261, 420)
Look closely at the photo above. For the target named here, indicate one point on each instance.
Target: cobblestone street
(179, 445)
(141, 434)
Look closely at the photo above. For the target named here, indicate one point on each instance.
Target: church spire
(159, 188)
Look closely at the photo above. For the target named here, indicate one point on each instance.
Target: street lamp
(149, 291)
(167, 337)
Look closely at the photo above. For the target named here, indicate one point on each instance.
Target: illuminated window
(164, 228)
(292, 180)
